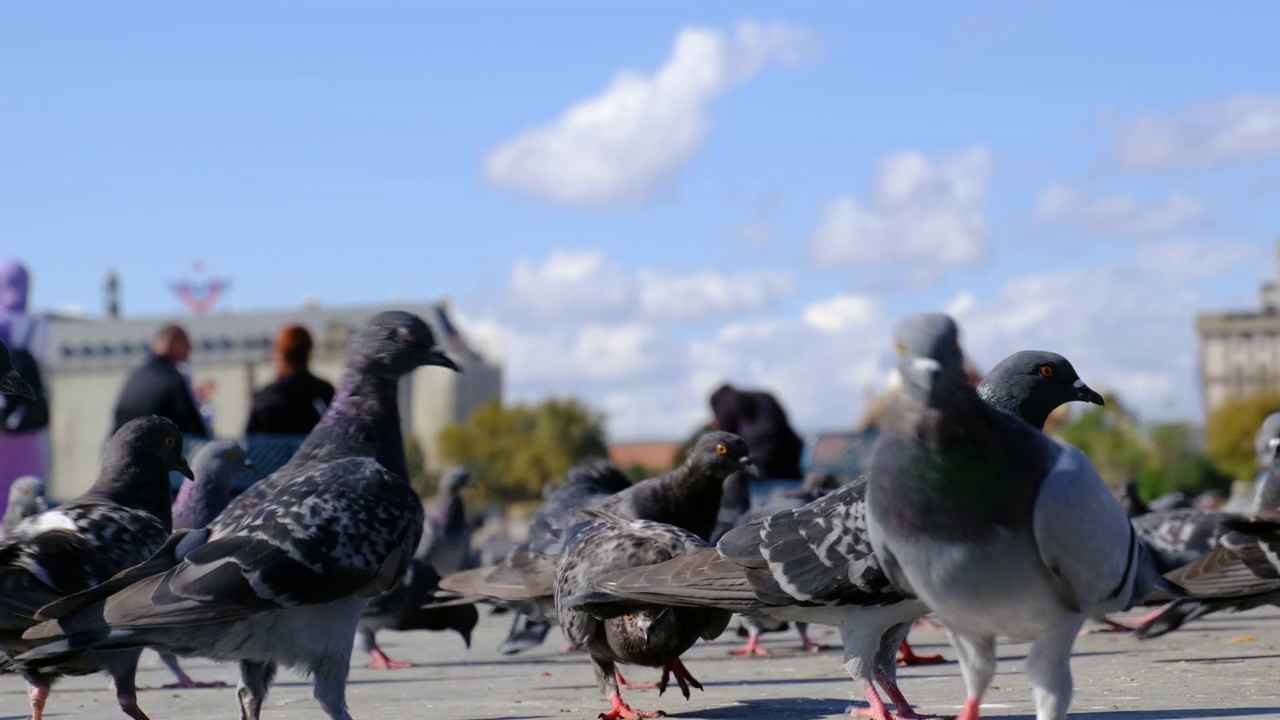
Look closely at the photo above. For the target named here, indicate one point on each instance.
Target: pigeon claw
(752, 648)
(675, 668)
(382, 662)
(970, 711)
(623, 711)
(908, 657)
(624, 685)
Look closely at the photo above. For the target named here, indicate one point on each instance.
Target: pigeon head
(150, 441)
(27, 494)
(397, 342)
(930, 362)
(643, 628)
(218, 463)
(1034, 383)
(454, 479)
(720, 453)
(10, 382)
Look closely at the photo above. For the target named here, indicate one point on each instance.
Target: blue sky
(631, 201)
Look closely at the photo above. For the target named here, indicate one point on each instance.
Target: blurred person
(760, 421)
(22, 421)
(160, 386)
(293, 404)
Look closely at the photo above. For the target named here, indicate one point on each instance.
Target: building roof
(658, 456)
(91, 343)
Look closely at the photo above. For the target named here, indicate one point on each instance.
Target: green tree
(1176, 462)
(1110, 437)
(1231, 430)
(512, 452)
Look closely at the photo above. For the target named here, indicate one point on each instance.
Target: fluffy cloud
(1119, 215)
(921, 213)
(575, 287)
(630, 140)
(1185, 261)
(1231, 130)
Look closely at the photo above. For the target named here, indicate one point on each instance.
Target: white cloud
(1120, 215)
(921, 213)
(627, 142)
(1186, 261)
(574, 287)
(1212, 133)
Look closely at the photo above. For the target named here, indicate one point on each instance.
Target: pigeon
(650, 636)
(118, 522)
(217, 465)
(445, 548)
(524, 581)
(1131, 500)
(304, 548)
(1241, 573)
(815, 485)
(26, 498)
(11, 383)
(687, 497)
(735, 502)
(815, 563)
(998, 529)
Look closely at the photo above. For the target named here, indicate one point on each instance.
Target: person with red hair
(293, 404)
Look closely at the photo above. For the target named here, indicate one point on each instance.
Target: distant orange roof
(658, 456)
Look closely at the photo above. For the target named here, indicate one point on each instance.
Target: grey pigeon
(687, 497)
(216, 465)
(304, 548)
(1241, 573)
(815, 485)
(120, 521)
(815, 563)
(998, 529)
(11, 383)
(445, 548)
(650, 636)
(26, 498)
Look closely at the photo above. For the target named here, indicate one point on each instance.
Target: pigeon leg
(624, 685)
(1115, 626)
(909, 658)
(39, 696)
(807, 645)
(977, 657)
(1049, 669)
(752, 647)
(184, 680)
(569, 648)
(905, 711)
(877, 709)
(331, 687)
(675, 668)
(622, 711)
(382, 662)
(124, 678)
(255, 679)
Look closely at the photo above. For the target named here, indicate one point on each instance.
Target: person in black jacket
(158, 387)
(762, 424)
(293, 404)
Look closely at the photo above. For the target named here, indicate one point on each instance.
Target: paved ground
(1225, 667)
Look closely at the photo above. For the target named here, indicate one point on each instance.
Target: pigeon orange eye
(628, 617)
(902, 349)
(1046, 371)
(721, 449)
(228, 455)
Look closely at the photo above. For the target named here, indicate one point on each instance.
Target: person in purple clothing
(22, 422)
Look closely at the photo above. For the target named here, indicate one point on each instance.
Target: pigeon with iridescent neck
(304, 548)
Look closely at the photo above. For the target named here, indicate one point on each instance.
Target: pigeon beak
(185, 469)
(11, 383)
(437, 358)
(750, 467)
(1084, 393)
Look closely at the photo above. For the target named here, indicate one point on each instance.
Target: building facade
(1240, 351)
(88, 359)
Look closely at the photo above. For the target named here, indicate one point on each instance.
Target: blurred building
(1240, 350)
(89, 358)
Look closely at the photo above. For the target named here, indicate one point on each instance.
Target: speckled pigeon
(815, 563)
(217, 465)
(445, 548)
(304, 548)
(998, 529)
(650, 636)
(121, 520)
